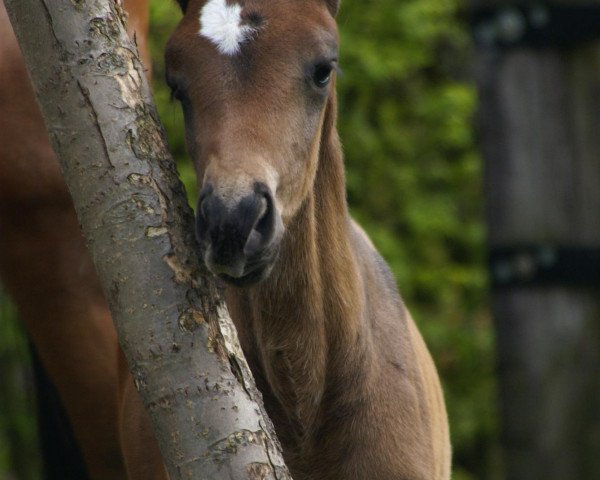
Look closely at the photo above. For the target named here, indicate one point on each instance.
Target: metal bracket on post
(536, 25)
(531, 265)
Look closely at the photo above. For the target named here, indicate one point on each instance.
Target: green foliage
(19, 458)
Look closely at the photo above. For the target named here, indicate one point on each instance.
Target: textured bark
(539, 125)
(175, 331)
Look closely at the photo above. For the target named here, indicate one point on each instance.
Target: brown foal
(346, 376)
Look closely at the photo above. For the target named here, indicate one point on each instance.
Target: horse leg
(46, 269)
(60, 452)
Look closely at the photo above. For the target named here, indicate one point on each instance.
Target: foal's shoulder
(386, 311)
(376, 270)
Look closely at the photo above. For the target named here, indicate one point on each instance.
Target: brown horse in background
(345, 375)
(45, 267)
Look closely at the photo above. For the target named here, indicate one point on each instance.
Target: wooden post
(540, 132)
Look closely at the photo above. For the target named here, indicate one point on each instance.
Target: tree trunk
(175, 331)
(539, 125)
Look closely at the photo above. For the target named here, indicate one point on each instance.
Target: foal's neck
(305, 323)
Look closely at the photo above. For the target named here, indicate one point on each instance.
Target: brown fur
(46, 268)
(345, 374)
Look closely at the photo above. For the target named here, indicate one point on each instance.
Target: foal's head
(253, 77)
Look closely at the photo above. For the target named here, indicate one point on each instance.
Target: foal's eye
(177, 93)
(322, 74)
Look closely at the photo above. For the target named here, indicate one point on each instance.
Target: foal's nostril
(202, 204)
(202, 213)
(263, 231)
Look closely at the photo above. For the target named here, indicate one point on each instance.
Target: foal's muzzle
(240, 240)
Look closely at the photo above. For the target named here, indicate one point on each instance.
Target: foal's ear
(333, 6)
(183, 4)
